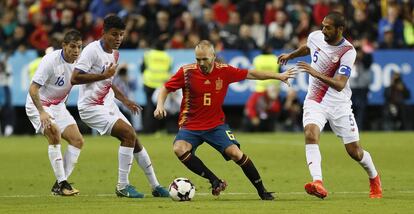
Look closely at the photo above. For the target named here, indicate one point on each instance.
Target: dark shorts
(219, 138)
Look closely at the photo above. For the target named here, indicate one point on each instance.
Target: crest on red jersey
(219, 84)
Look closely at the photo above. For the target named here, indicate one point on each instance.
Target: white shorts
(61, 116)
(340, 118)
(102, 117)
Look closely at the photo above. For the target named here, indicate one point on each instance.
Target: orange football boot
(316, 188)
(375, 187)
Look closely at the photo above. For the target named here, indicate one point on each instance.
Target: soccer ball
(181, 189)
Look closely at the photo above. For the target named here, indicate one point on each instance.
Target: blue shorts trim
(219, 138)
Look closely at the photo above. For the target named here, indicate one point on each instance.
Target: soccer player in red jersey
(204, 86)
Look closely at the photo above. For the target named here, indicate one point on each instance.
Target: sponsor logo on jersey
(207, 82)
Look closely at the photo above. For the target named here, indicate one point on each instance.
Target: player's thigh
(73, 136)
(344, 126)
(314, 113)
(187, 136)
(220, 138)
(52, 134)
(123, 130)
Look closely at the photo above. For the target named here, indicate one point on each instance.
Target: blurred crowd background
(243, 25)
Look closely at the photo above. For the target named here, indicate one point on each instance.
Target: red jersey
(203, 95)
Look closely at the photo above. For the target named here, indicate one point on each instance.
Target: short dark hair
(337, 18)
(72, 35)
(113, 21)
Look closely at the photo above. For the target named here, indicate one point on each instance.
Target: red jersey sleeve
(236, 74)
(176, 81)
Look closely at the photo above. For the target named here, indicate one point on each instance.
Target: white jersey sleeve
(347, 62)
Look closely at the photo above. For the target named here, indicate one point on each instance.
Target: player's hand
(110, 70)
(306, 68)
(133, 107)
(283, 59)
(285, 76)
(45, 120)
(160, 112)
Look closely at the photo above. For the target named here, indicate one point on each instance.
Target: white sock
(144, 162)
(313, 159)
(56, 160)
(125, 161)
(70, 159)
(368, 165)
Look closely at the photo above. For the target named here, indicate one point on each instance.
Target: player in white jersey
(329, 99)
(97, 108)
(46, 109)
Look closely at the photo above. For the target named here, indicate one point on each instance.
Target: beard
(204, 69)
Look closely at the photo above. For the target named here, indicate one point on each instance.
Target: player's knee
(53, 135)
(355, 152)
(78, 142)
(310, 136)
(234, 153)
(180, 148)
(128, 137)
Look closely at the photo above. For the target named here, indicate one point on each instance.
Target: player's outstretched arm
(132, 106)
(301, 51)
(160, 111)
(45, 118)
(337, 82)
(264, 75)
(80, 77)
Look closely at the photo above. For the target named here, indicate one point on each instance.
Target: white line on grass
(201, 193)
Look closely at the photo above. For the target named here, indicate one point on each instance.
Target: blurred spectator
(262, 110)
(409, 29)
(156, 68)
(175, 8)
(197, 7)
(389, 41)
(281, 23)
(163, 30)
(277, 39)
(172, 106)
(361, 78)
(266, 61)
(396, 111)
(7, 114)
(258, 29)
(222, 11)
(101, 8)
(320, 9)
(207, 24)
(361, 25)
(40, 38)
(90, 28)
(291, 112)
(127, 87)
(392, 23)
(245, 41)
(271, 10)
(248, 7)
(229, 33)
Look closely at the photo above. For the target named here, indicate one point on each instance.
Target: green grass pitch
(26, 177)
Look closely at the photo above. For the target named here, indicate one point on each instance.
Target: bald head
(205, 45)
(205, 55)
